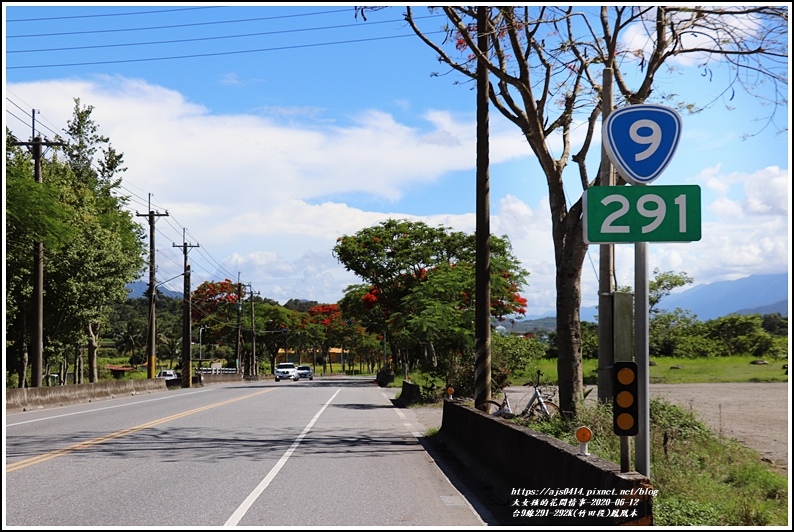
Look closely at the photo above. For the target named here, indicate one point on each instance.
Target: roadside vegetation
(703, 479)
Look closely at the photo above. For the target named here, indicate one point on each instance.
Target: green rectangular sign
(653, 213)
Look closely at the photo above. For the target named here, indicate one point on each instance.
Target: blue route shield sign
(640, 140)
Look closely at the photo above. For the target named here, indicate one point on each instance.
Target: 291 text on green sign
(653, 213)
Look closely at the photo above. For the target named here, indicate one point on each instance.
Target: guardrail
(216, 371)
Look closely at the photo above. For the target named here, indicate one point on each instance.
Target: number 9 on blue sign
(640, 140)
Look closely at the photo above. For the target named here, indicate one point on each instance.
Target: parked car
(287, 370)
(169, 374)
(305, 372)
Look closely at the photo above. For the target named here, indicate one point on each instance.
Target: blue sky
(267, 132)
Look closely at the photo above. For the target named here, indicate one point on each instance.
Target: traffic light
(625, 403)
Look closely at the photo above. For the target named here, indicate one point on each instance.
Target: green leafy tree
(546, 73)
(91, 274)
(775, 324)
(271, 338)
(419, 286)
(33, 214)
(102, 252)
(740, 334)
(517, 352)
(300, 305)
(678, 333)
(662, 284)
(169, 342)
(132, 341)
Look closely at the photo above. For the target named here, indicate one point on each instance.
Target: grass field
(681, 370)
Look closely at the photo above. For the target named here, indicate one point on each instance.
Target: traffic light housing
(625, 403)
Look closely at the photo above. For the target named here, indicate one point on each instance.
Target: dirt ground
(755, 414)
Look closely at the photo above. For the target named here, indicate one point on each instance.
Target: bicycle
(539, 407)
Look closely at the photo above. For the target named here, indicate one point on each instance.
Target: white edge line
(240, 512)
(418, 435)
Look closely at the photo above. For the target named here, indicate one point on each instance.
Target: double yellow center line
(96, 441)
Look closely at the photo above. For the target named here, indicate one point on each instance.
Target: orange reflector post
(584, 434)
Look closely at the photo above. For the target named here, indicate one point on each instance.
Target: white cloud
(768, 192)
(266, 195)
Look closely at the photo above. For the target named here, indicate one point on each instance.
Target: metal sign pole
(642, 441)
(640, 141)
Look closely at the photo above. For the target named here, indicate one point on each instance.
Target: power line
(192, 24)
(217, 54)
(143, 202)
(23, 110)
(15, 116)
(158, 12)
(197, 39)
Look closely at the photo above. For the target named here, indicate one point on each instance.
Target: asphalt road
(330, 452)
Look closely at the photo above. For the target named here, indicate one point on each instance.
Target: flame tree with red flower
(214, 303)
(419, 287)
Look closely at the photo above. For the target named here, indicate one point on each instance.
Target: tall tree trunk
(93, 346)
(571, 252)
(78, 364)
(22, 367)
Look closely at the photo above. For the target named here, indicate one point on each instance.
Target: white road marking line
(251, 499)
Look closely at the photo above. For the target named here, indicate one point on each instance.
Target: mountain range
(139, 289)
(756, 294)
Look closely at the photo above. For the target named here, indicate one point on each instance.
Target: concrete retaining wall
(49, 396)
(209, 378)
(522, 465)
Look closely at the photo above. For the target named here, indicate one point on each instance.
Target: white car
(168, 374)
(305, 372)
(287, 370)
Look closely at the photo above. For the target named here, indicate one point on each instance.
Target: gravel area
(755, 414)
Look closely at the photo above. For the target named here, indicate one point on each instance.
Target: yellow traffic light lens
(625, 421)
(624, 399)
(626, 376)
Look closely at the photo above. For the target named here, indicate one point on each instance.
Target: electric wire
(147, 204)
(199, 39)
(214, 54)
(130, 196)
(97, 15)
(173, 26)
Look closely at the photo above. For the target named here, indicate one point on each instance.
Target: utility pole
(482, 309)
(37, 345)
(252, 368)
(239, 322)
(150, 343)
(606, 266)
(186, 322)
